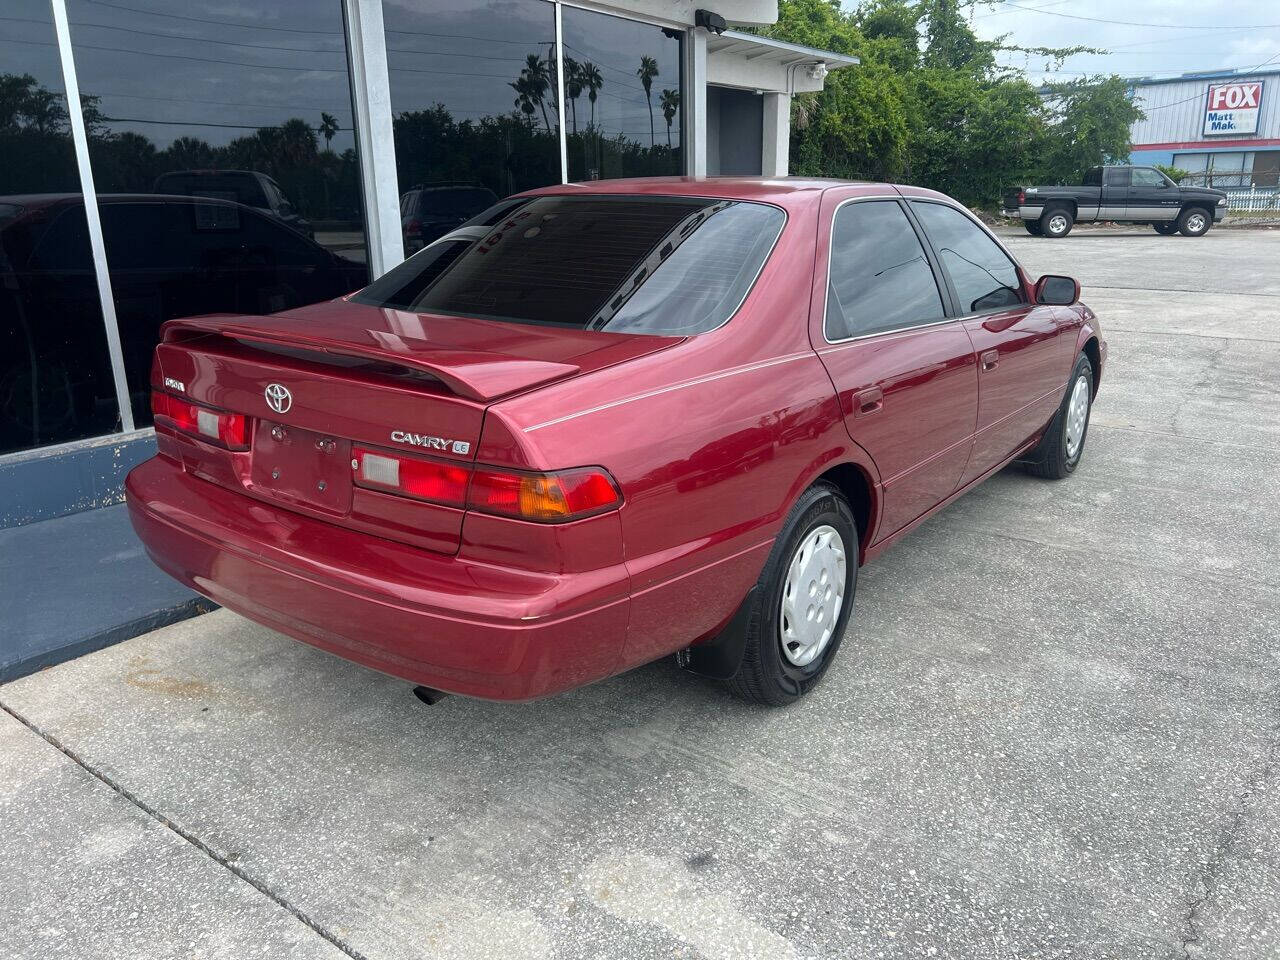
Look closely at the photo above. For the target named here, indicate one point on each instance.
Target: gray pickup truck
(1121, 194)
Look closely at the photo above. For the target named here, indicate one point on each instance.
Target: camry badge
(430, 443)
(278, 397)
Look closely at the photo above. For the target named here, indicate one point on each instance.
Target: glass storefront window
(623, 95)
(474, 107)
(224, 157)
(55, 372)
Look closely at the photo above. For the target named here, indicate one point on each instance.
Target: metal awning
(765, 50)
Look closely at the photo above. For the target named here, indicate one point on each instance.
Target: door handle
(867, 402)
(990, 359)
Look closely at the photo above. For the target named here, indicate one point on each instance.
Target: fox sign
(1232, 108)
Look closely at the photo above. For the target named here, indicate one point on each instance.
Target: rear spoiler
(476, 375)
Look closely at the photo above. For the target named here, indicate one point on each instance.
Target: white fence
(1253, 200)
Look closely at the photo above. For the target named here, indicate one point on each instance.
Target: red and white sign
(1232, 108)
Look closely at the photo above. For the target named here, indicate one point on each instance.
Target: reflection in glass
(55, 372)
(224, 158)
(473, 99)
(623, 97)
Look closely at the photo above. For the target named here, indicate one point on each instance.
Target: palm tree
(670, 103)
(531, 87)
(328, 127)
(589, 74)
(573, 87)
(648, 70)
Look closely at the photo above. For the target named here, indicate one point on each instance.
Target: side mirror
(1057, 291)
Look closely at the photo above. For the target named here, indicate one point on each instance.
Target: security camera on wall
(711, 21)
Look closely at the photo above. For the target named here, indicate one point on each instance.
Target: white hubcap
(1195, 222)
(1077, 415)
(813, 595)
(1057, 224)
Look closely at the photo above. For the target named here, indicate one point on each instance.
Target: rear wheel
(1060, 449)
(803, 601)
(1194, 222)
(1165, 229)
(1032, 227)
(1057, 223)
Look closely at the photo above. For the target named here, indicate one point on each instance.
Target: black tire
(1057, 223)
(1165, 229)
(1194, 222)
(1032, 227)
(1053, 457)
(767, 674)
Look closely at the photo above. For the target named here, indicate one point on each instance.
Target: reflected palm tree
(573, 88)
(648, 70)
(531, 87)
(591, 79)
(670, 103)
(328, 128)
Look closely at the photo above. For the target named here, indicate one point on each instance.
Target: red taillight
(1022, 197)
(543, 497)
(228, 429)
(565, 495)
(413, 226)
(431, 480)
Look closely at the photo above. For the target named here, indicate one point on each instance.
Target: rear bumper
(431, 619)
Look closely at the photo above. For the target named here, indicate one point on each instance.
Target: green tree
(1090, 120)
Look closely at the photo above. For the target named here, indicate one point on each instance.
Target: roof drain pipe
(428, 695)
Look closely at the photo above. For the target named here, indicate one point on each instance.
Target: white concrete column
(776, 142)
(695, 115)
(375, 136)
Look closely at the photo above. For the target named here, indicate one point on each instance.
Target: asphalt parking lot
(1054, 731)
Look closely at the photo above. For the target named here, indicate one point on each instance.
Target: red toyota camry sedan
(600, 424)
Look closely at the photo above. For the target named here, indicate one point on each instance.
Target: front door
(903, 370)
(1024, 355)
(1151, 197)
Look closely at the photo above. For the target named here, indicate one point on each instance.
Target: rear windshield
(659, 265)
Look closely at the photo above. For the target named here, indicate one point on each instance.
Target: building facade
(164, 158)
(1222, 128)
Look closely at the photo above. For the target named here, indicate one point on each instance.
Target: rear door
(1151, 196)
(1023, 355)
(1115, 193)
(903, 370)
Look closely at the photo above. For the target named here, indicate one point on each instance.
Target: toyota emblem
(278, 397)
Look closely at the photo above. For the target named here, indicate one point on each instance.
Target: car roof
(783, 191)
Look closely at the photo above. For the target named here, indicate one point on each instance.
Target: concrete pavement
(1053, 731)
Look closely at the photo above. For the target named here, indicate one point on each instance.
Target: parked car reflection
(249, 187)
(169, 256)
(429, 211)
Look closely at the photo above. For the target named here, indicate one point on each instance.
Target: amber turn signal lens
(546, 497)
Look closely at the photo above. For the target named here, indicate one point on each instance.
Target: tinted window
(880, 278)
(984, 277)
(623, 96)
(55, 374)
(248, 104)
(643, 265)
(1093, 177)
(1117, 176)
(1146, 177)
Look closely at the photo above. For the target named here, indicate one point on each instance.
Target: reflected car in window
(168, 257)
(603, 423)
(249, 187)
(428, 212)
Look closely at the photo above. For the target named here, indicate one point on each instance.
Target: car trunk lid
(319, 384)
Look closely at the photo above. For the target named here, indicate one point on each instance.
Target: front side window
(658, 265)
(983, 275)
(880, 278)
(1146, 177)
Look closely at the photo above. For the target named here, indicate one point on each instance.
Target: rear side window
(1117, 177)
(1093, 177)
(880, 278)
(983, 275)
(658, 265)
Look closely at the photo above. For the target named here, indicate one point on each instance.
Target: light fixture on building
(818, 71)
(710, 20)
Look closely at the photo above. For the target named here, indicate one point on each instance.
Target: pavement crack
(1206, 882)
(182, 832)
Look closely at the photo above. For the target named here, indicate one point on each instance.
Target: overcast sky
(1198, 34)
